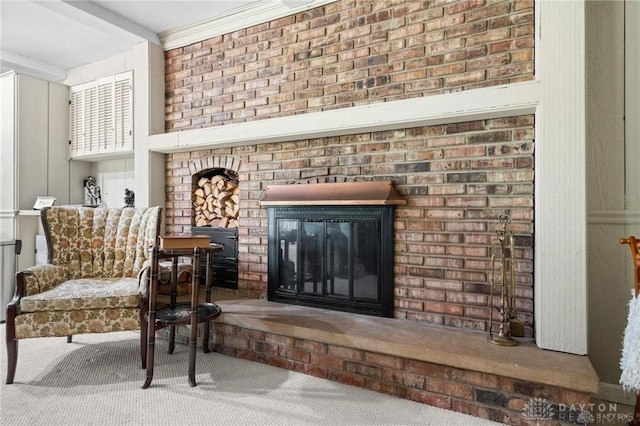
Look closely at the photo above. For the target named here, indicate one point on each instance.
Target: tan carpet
(96, 381)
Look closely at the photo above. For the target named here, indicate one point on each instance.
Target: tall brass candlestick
(509, 326)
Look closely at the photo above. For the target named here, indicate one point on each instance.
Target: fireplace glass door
(322, 259)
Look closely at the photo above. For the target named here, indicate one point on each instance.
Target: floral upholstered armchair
(94, 281)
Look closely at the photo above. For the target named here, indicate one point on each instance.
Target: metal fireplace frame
(366, 210)
(380, 216)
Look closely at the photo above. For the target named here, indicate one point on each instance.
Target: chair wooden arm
(634, 245)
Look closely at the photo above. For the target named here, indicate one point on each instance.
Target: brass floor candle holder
(509, 325)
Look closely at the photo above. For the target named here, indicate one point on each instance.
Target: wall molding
(480, 104)
(8, 213)
(614, 217)
(614, 392)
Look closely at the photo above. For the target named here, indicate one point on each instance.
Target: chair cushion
(85, 293)
(67, 323)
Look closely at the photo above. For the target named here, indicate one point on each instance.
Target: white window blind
(101, 117)
(90, 117)
(105, 119)
(123, 113)
(76, 125)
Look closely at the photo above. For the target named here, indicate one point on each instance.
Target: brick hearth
(457, 370)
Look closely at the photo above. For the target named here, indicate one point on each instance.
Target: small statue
(129, 198)
(92, 196)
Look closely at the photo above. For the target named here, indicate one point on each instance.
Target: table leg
(150, 353)
(205, 338)
(208, 278)
(195, 284)
(151, 322)
(173, 301)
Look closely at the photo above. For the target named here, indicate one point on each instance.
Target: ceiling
(47, 38)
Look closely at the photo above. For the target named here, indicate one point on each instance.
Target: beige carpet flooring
(96, 380)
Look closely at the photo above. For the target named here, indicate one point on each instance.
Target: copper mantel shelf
(338, 193)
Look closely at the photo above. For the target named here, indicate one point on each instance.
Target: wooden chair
(94, 280)
(634, 245)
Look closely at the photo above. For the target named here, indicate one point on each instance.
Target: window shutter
(90, 117)
(124, 111)
(76, 116)
(106, 129)
(101, 116)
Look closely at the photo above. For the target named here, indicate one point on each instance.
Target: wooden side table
(175, 314)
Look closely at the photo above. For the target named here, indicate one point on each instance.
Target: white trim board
(503, 101)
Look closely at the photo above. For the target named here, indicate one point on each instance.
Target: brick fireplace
(457, 180)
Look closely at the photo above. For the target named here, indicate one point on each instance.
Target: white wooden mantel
(556, 97)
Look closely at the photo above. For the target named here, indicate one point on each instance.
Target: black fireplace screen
(335, 257)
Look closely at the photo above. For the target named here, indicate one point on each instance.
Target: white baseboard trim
(614, 393)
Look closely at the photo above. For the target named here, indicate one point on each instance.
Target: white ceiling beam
(31, 66)
(101, 19)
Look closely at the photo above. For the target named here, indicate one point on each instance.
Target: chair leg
(12, 359)
(143, 346)
(172, 339)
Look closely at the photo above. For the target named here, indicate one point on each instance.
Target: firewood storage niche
(216, 206)
(331, 245)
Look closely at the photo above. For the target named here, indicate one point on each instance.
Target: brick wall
(457, 178)
(348, 53)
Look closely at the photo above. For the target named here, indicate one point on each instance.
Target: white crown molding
(244, 17)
